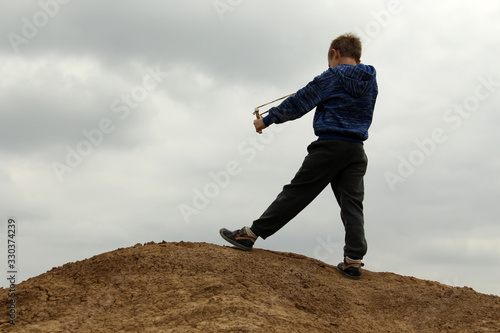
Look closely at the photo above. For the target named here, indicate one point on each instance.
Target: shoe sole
(352, 277)
(235, 243)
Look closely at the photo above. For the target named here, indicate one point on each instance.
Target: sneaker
(242, 238)
(351, 268)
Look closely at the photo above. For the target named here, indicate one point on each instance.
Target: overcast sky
(124, 122)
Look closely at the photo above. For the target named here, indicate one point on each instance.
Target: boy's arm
(294, 106)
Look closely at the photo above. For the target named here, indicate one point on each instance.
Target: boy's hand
(259, 125)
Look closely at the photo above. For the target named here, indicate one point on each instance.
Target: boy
(344, 96)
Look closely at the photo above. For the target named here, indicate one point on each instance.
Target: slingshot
(259, 115)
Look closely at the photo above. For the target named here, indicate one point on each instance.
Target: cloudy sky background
(124, 122)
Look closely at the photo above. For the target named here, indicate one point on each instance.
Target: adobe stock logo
(220, 180)
(31, 27)
(327, 248)
(223, 6)
(454, 116)
(95, 136)
(381, 20)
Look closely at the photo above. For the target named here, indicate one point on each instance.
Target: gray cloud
(190, 137)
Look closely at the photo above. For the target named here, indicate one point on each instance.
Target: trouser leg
(348, 188)
(324, 161)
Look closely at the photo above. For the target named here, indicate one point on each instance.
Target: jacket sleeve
(296, 105)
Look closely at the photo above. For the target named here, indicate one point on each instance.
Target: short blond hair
(349, 45)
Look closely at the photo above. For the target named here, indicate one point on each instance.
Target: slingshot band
(259, 115)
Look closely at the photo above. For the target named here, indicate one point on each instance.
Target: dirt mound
(198, 287)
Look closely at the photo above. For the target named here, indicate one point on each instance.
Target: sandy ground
(198, 287)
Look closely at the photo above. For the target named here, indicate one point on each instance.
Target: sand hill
(198, 287)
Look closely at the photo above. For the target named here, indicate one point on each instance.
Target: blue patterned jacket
(344, 97)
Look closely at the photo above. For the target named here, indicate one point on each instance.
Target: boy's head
(347, 46)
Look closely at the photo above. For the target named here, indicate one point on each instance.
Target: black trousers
(342, 164)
